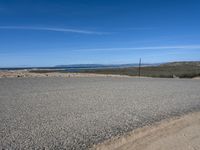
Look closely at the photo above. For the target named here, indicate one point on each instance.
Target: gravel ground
(75, 113)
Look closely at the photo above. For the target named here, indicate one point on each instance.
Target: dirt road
(171, 134)
(75, 113)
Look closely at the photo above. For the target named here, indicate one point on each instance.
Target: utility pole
(139, 69)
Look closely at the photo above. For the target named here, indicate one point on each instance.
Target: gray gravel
(75, 113)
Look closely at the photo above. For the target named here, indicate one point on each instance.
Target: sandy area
(181, 133)
(26, 73)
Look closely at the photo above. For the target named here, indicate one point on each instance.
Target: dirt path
(78, 112)
(174, 134)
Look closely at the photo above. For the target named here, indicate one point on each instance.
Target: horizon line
(52, 66)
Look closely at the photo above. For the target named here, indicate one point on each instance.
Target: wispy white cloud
(146, 48)
(51, 29)
(152, 48)
(139, 28)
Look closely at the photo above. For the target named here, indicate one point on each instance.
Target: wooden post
(139, 69)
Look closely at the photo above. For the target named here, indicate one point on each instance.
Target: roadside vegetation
(168, 70)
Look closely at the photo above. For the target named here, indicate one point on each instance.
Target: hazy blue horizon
(71, 65)
(48, 33)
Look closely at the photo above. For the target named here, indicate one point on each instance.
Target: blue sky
(54, 32)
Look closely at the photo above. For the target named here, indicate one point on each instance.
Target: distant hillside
(168, 70)
(183, 63)
(88, 66)
(80, 66)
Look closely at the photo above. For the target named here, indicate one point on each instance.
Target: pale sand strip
(26, 73)
(14, 74)
(180, 133)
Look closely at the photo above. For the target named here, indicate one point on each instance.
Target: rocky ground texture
(75, 113)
